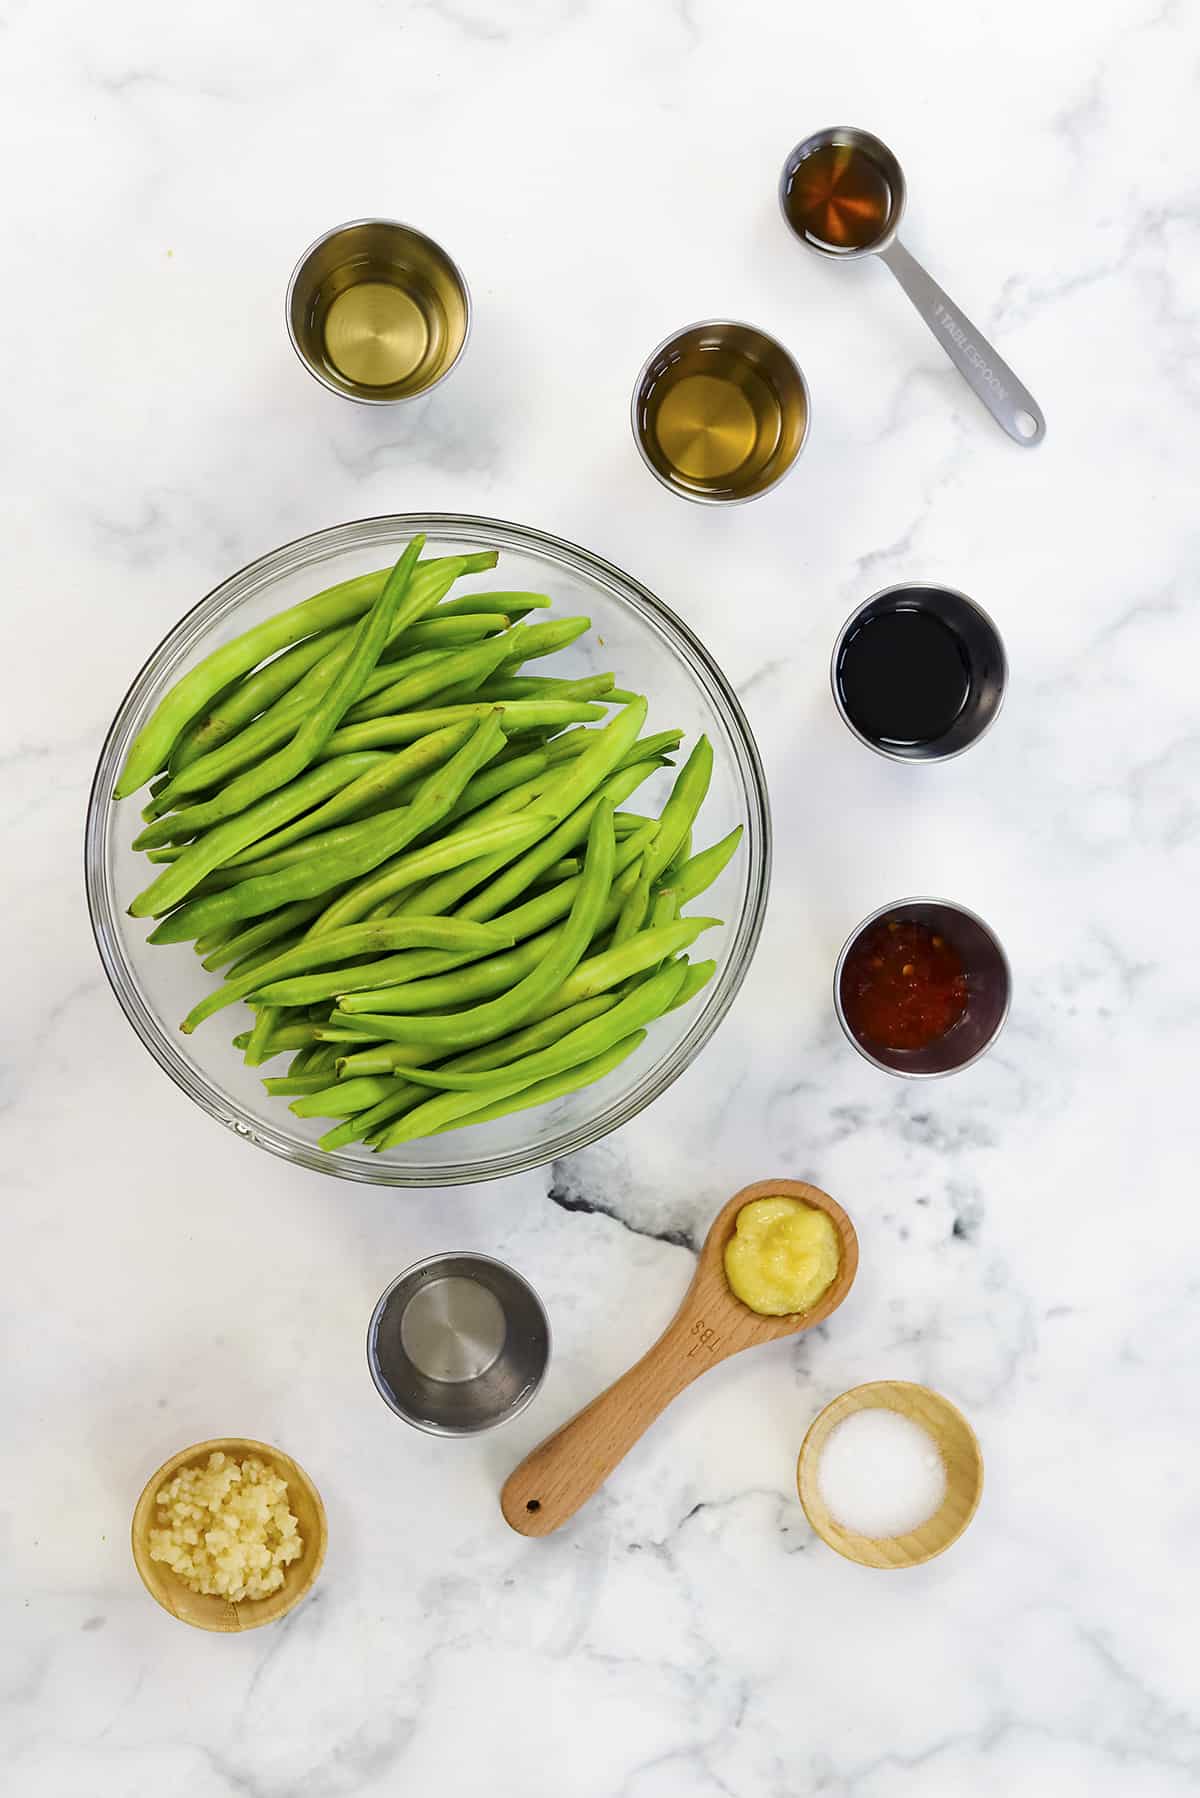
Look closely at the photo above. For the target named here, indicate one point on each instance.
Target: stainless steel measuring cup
(987, 374)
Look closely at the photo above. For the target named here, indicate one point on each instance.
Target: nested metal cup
(878, 153)
(989, 990)
(377, 311)
(457, 1344)
(720, 412)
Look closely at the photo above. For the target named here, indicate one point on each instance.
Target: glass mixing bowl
(634, 635)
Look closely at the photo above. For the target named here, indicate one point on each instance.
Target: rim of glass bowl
(310, 551)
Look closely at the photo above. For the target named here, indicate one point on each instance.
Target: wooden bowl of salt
(890, 1474)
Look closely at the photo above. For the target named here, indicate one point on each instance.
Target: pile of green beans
(412, 861)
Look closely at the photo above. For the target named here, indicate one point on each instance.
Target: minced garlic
(229, 1531)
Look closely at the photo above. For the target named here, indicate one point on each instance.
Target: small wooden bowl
(956, 1443)
(208, 1612)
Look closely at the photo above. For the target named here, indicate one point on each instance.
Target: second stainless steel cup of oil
(377, 311)
(720, 412)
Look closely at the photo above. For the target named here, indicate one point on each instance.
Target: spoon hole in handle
(987, 374)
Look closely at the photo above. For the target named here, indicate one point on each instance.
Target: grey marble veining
(1030, 1237)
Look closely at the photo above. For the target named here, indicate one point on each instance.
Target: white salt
(881, 1473)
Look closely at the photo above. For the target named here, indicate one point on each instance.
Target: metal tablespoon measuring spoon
(842, 193)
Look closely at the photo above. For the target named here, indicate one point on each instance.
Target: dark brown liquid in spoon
(839, 197)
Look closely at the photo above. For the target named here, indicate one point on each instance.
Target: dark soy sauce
(903, 676)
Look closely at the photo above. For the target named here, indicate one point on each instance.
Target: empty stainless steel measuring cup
(987, 374)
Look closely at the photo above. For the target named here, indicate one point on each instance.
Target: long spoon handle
(987, 374)
(564, 1471)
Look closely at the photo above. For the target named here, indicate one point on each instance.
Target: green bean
(322, 1059)
(590, 771)
(531, 686)
(681, 855)
(455, 980)
(204, 779)
(317, 953)
(425, 985)
(254, 959)
(340, 839)
(596, 974)
(527, 920)
(427, 682)
(638, 1008)
(378, 839)
(647, 749)
(529, 742)
(244, 941)
(363, 1122)
(287, 1085)
(527, 643)
(513, 881)
(166, 854)
(697, 977)
(226, 714)
(633, 912)
(150, 749)
(378, 1058)
(496, 781)
(698, 873)
(544, 1090)
(540, 909)
(174, 883)
(663, 910)
(678, 814)
(380, 782)
(493, 602)
(557, 798)
(544, 639)
(344, 1098)
(435, 1114)
(562, 870)
(478, 1023)
(309, 789)
(275, 727)
(258, 1049)
(383, 732)
(206, 945)
(288, 1036)
(474, 842)
(514, 796)
(438, 629)
(339, 854)
(385, 1058)
(504, 1086)
(246, 698)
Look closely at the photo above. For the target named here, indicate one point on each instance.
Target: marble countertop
(1030, 1236)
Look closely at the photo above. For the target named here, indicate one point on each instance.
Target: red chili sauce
(902, 986)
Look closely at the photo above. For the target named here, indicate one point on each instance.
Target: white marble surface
(1029, 1231)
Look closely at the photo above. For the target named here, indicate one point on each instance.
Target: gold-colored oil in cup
(377, 311)
(720, 412)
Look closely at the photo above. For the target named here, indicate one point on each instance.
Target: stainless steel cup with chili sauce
(922, 988)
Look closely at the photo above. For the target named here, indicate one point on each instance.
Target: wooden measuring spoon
(563, 1472)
